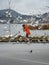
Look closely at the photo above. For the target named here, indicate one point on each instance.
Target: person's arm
(24, 29)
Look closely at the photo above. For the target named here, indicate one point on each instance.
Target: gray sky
(26, 6)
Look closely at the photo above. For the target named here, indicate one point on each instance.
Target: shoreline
(19, 38)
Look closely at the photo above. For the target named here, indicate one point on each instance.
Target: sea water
(15, 28)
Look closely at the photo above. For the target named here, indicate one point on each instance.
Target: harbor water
(15, 28)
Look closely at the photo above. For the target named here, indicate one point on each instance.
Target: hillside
(44, 18)
(14, 14)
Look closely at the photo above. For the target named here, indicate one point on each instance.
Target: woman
(26, 29)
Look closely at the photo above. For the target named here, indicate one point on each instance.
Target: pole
(9, 19)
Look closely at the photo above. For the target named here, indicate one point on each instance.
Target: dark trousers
(27, 35)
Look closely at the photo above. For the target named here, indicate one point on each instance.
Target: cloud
(25, 6)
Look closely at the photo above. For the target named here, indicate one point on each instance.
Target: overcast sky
(26, 6)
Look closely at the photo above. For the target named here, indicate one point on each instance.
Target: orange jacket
(26, 29)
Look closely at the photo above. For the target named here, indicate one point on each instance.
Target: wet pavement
(19, 54)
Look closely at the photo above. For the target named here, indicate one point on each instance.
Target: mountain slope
(13, 13)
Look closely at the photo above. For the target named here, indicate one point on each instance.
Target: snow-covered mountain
(15, 15)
